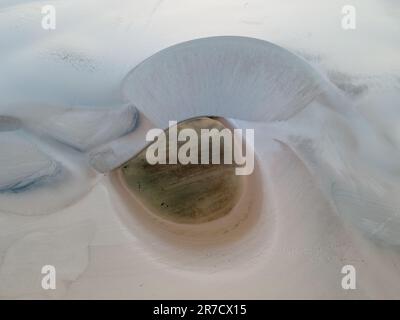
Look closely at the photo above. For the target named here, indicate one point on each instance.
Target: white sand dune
(326, 140)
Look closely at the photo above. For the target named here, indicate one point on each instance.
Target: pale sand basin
(284, 237)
